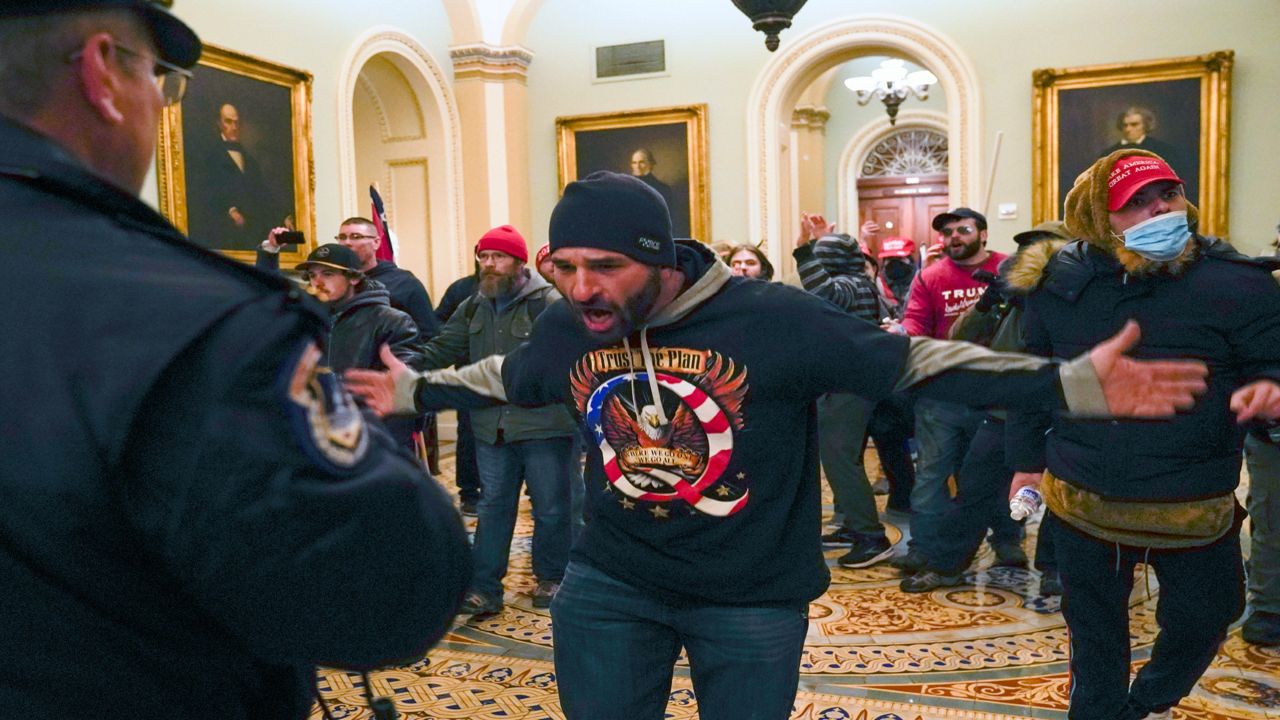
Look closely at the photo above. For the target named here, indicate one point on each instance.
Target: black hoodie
(712, 495)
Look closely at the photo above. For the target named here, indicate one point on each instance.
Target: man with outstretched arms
(703, 480)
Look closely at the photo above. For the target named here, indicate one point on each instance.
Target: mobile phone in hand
(290, 237)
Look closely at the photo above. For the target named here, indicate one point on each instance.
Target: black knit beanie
(611, 211)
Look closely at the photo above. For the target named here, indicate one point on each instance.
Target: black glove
(993, 296)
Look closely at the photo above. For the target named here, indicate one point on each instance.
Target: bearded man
(702, 482)
(939, 294)
(513, 444)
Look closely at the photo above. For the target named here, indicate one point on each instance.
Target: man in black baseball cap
(333, 272)
(960, 213)
(176, 43)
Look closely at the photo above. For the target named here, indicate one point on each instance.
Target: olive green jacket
(477, 330)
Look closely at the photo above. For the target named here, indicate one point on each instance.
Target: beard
(627, 317)
(496, 285)
(964, 251)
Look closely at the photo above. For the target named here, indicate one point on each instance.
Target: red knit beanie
(504, 239)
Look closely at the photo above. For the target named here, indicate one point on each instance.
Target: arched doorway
(399, 128)
(897, 174)
(792, 70)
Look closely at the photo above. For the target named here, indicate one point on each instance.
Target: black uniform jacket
(193, 513)
(1224, 309)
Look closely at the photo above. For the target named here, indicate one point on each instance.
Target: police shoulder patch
(325, 420)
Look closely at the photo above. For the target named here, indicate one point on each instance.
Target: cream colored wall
(714, 57)
(315, 35)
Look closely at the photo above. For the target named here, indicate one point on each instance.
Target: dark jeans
(466, 474)
(981, 501)
(616, 645)
(891, 427)
(547, 467)
(842, 432)
(1046, 560)
(1201, 594)
(1264, 523)
(943, 432)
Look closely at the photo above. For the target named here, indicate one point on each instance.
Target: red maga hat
(1131, 174)
(898, 247)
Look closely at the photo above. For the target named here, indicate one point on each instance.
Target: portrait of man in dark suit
(232, 207)
(238, 147)
(642, 162)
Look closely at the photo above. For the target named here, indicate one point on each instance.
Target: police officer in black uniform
(193, 513)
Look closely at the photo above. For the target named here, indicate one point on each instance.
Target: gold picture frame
(1183, 103)
(676, 141)
(259, 176)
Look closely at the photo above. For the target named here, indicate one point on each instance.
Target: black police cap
(176, 43)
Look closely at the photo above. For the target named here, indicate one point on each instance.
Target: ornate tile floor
(989, 650)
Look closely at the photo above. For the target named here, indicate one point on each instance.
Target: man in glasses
(940, 294)
(184, 485)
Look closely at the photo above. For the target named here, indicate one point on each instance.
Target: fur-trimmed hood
(1087, 218)
(1026, 267)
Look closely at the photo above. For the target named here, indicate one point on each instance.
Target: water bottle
(1025, 503)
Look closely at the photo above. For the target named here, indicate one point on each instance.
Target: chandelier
(891, 84)
(770, 17)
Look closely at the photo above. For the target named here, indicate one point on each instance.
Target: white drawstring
(653, 376)
(651, 371)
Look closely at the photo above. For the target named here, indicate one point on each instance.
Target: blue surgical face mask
(1162, 238)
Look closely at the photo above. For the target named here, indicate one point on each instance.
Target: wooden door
(903, 206)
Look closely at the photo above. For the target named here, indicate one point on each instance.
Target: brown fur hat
(1087, 217)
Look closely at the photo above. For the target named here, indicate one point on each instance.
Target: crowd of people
(234, 454)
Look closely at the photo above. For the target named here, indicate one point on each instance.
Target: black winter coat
(1223, 309)
(183, 531)
(359, 327)
(407, 294)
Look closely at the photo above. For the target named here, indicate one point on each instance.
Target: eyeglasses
(957, 230)
(342, 237)
(170, 79)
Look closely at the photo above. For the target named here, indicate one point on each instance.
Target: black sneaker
(867, 552)
(1262, 628)
(1050, 584)
(909, 564)
(840, 537)
(927, 580)
(467, 508)
(479, 604)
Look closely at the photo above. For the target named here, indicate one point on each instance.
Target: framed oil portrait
(235, 155)
(1178, 108)
(665, 147)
